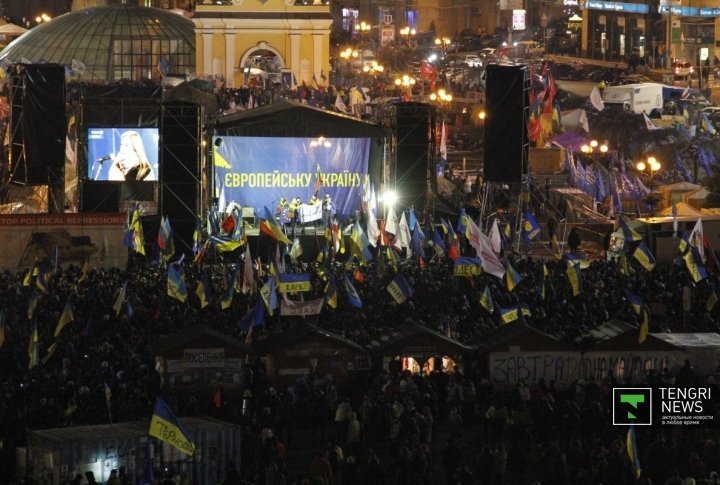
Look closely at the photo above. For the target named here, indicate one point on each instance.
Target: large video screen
(122, 154)
(259, 171)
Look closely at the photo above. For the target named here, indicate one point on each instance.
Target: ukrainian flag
(512, 277)
(574, 276)
(644, 256)
(66, 317)
(633, 451)
(635, 301)
(165, 427)
(509, 314)
(176, 287)
(644, 327)
(331, 293)
(486, 300)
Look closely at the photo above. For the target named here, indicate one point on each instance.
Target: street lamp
(404, 85)
(363, 27)
(653, 167)
(374, 69)
(406, 33)
(441, 97)
(593, 148)
(443, 42)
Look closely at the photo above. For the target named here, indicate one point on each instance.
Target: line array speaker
(415, 148)
(506, 136)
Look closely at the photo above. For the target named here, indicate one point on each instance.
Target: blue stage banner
(258, 171)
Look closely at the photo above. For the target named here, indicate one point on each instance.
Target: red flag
(229, 224)
(421, 262)
(359, 276)
(217, 397)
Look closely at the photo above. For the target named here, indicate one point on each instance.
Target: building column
(317, 55)
(230, 61)
(295, 55)
(207, 54)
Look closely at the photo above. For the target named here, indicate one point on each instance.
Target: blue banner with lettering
(259, 171)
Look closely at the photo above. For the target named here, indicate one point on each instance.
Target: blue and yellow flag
(255, 317)
(165, 427)
(34, 347)
(66, 317)
(225, 244)
(227, 297)
(633, 451)
(467, 266)
(462, 222)
(629, 233)
(353, 296)
(644, 256)
(268, 292)
(512, 277)
(644, 328)
(575, 278)
(41, 281)
(294, 282)
(176, 287)
(399, 288)
(694, 265)
(32, 304)
(331, 293)
(530, 226)
(486, 300)
(635, 301)
(203, 290)
(712, 300)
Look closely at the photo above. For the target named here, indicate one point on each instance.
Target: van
(528, 48)
(638, 98)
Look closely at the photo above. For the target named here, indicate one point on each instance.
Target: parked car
(568, 72)
(682, 69)
(528, 48)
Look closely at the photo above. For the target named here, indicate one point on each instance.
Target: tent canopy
(12, 29)
(683, 209)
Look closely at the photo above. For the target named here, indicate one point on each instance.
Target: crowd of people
(377, 427)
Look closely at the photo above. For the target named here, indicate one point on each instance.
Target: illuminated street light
(441, 96)
(374, 69)
(653, 167)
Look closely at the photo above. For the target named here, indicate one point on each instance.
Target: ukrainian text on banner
(258, 171)
(290, 283)
(301, 308)
(310, 212)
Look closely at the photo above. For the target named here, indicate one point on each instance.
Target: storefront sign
(518, 19)
(617, 6)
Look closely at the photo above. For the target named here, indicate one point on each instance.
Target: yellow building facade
(263, 40)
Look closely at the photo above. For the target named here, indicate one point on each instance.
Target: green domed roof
(113, 42)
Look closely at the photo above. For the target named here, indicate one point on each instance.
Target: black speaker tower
(38, 128)
(506, 136)
(180, 170)
(415, 149)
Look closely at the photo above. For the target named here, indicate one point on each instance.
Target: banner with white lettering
(203, 358)
(259, 171)
(77, 237)
(301, 308)
(310, 212)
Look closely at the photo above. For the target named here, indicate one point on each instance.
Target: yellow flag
(644, 328)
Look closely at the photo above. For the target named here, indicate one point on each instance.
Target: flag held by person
(34, 347)
(512, 277)
(331, 293)
(271, 228)
(486, 300)
(269, 295)
(632, 450)
(530, 227)
(166, 427)
(644, 328)
(353, 296)
(255, 317)
(635, 301)
(400, 289)
(575, 277)
(176, 287)
(644, 256)
(467, 266)
(65, 318)
(227, 297)
(120, 299)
